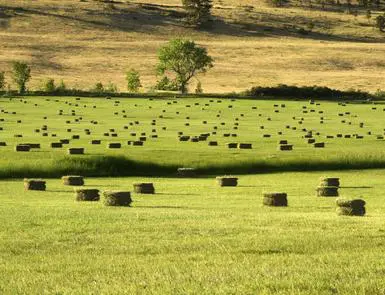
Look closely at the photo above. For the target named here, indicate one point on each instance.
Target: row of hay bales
(123, 198)
(111, 197)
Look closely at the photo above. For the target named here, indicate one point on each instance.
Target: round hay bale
(349, 211)
(22, 148)
(75, 151)
(275, 199)
(186, 172)
(34, 184)
(117, 198)
(144, 188)
(227, 181)
(73, 180)
(329, 181)
(327, 191)
(87, 194)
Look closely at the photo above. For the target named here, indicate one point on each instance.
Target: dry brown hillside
(87, 41)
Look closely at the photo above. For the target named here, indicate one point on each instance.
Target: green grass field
(194, 237)
(241, 118)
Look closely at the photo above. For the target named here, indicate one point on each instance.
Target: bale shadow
(356, 187)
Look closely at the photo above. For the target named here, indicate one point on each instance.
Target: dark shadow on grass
(120, 166)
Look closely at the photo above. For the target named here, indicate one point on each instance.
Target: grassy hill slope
(87, 41)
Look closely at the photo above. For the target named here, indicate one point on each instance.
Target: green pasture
(194, 237)
(243, 121)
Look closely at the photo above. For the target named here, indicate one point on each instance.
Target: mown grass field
(227, 121)
(252, 43)
(194, 237)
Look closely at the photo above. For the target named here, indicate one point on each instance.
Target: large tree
(198, 11)
(184, 59)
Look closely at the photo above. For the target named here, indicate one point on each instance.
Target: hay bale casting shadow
(87, 194)
(144, 188)
(73, 180)
(117, 198)
(275, 199)
(34, 185)
(227, 181)
(350, 207)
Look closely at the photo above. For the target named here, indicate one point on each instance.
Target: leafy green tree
(2, 80)
(111, 88)
(185, 60)
(21, 74)
(133, 80)
(165, 83)
(198, 11)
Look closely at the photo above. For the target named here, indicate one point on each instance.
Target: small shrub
(133, 80)
(99, 88)
(61, 87)
(199, 89)
(49, 85)
(111, 88)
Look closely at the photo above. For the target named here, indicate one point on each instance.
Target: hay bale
(96, 141)
(186, 172)
(73, 180)
(3, 143)
(184, 138)
(34, 184)
(56, 145)
(213, 143)
(75, 151)
(117, 198)
(227, 181)
(329, 181)
(319, 145)
(354, 207)
(283, 141)
(114, 145)
(144, 188)
(327, 191)
(275, 199)
(22, 148)
(82, 194)
(285, 147)
(232, 145)
(245, 146)
(65, 141)
(137, 143)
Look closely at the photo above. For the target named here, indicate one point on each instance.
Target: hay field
(353, 134)
(193, 237)
(251, 42)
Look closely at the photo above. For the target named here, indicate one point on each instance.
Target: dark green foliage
(99, 88)
(21, 74)
(185, 60)
(166, 84)
(198, 12)
(199, 89)
(304, 92)
(133, 80)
